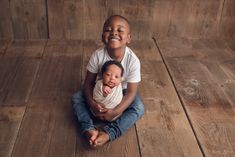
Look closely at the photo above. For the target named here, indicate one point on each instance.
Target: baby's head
(116, 32)
(112, 72)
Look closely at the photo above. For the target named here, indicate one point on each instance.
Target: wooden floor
(188, 88)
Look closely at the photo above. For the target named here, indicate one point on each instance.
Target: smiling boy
(116, 35)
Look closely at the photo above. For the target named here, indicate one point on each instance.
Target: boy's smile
(116, 33)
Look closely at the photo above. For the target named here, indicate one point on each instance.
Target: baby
(108, 91)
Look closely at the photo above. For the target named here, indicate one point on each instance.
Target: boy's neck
(116, 54)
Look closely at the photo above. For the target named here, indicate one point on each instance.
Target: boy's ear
(129, 39)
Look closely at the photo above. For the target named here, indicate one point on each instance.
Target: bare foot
(102, 138)
(91, 136)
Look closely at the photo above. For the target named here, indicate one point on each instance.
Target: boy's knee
(77, 95)
(140, 109)
(76, 98)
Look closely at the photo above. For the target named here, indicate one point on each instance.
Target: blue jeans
(115, 128)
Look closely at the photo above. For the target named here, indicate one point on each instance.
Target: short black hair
(113, 16)
(111, 62)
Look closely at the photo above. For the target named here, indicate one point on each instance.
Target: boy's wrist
(91, 102)
(117, 110)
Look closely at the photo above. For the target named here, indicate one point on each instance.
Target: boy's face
(116, 33)
(112, 76)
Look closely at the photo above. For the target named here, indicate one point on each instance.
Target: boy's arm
(88, 87)
(88, 91)
(127, 98)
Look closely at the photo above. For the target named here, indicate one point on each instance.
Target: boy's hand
(106, 90)
(109, 115)
(98, 108)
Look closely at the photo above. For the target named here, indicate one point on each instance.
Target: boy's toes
(91, 136)
(101, 139)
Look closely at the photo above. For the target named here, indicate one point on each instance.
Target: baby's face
(112, 76)
(116, 33)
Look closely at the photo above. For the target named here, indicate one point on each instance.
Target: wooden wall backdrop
(83, 19)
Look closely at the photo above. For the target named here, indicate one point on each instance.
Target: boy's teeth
(113, 39)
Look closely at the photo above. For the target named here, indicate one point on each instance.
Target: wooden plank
(95, 14)
(94, 17)
(59, 71)
(70, 24)
(5, 18)
(214, 50)
(231, 44)
(18, 69)
(3, 45)
(111, 7)
(29, 19)
(89, 47)
(164, 130)
(49, 128)
(227, 29)
(161, 18)
(10, 120)
(205, 85)
(140, 16)
(228, 69)
(182, 18)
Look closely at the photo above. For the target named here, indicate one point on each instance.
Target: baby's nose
(113, 76)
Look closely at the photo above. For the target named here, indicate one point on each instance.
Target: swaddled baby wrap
(112, 99)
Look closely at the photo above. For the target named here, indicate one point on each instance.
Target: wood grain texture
(231, 44)
(6, 21)
(10, 120)
(140, 16)
(94, 17)
(18, 67)
(205, 84)
(164, 130)
(79, 19)
(95, 14)
(227, 29)
(4, 43)
(89, 46)
(48, 128)
(66, 19)
(29, 19)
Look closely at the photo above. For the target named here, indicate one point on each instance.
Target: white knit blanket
(110, 101)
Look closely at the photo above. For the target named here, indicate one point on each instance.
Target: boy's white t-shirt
(130, 63)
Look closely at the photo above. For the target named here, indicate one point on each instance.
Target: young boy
(116, 35)
(108, 90)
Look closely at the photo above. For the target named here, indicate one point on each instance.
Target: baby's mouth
(111, 84)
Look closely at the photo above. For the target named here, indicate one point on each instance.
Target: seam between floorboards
(138, 142)
(181, 102)
(27, 98)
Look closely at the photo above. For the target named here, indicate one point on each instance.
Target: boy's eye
(117, 77)
(121, 30)
(107, 29)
